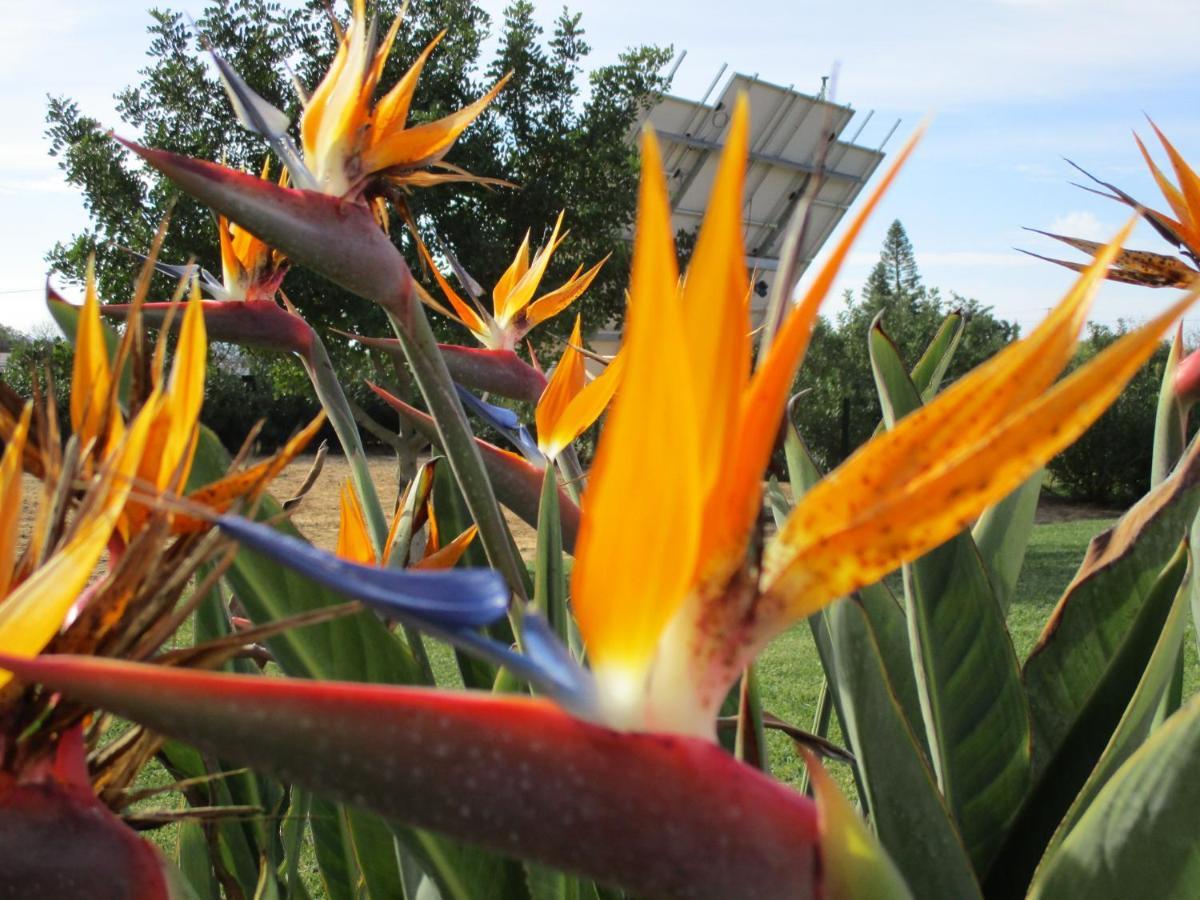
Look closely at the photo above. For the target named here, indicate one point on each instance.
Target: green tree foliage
(841, 407)
(1111, 462)
(559, 135)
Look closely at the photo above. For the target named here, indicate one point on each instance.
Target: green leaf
(550, 884)
(1068, 769)
(890, 627)
(1141, 715)
(458, 442)
(969, 681)
(237, 852)
(191, 856)
(1002, 536)
(453, 518)
(1138, 839)
(333, 400)
(549, 574)
(1170, 422)
(907, 811)
(856, 867)
(877, 600)
(353, 648)
(1093, 617)
(335, 859)
(803, 471)
(931, 368)
(750, 741)
(292, 833)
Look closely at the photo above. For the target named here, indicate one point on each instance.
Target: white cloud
(972, 259)
(1081, 224)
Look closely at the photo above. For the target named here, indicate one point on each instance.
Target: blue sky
(1013, 85)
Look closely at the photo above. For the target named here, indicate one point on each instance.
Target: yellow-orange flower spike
(354, 542)
(515, 312)
(93, 408)
(347, 139)
(250, 270)
(669, 604)
(570, 403)
(33, 612)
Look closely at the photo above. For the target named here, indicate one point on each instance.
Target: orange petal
(392, 110)
(1169, 191)
(91, 378)
(1189, 183)
(466, 314)
(716, 323)
(354, 542)
(249, 483)
(10, 489)
(447, 557)
(33, 613)
(585, 407)
(966, 411)
(424, 144)
(638, 539)
(526, 286)
(515, 271)
(567, 381)
(186, 394)
(550, 305)
(762, 406)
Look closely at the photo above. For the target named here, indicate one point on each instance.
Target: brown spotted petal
(1140, 267)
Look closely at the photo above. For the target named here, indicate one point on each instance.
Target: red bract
(661, 815)
(338, 238)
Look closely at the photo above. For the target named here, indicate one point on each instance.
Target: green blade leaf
(1002, 536)
(1068, 769)
(877, 600)
(549, 573)
(1170, 422)
(1140, 716)
(931, 368)
(1138, 839)
(906, 809)
(856, 866)
(1093, 616)
(356, 648)
(972, 701)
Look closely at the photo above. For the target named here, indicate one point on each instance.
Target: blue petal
(447, 604)
(546, 664)
(506, 422)
(451, 598)
(497, 416)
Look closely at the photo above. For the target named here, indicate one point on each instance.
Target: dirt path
(317, 516)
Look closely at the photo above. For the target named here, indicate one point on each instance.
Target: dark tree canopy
(558, 134)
